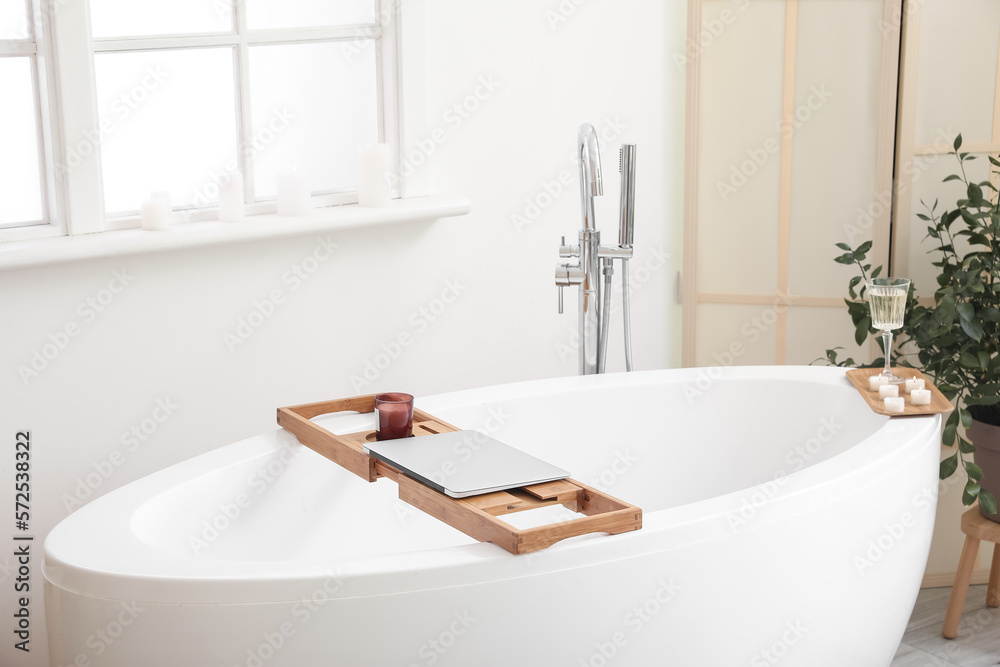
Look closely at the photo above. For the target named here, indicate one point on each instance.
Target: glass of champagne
(887, 302)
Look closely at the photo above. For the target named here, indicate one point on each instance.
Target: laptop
(464, 463)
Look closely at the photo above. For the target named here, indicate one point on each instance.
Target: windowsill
(21, 254)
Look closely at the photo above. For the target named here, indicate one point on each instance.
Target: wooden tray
(938, 405)
(476, 516)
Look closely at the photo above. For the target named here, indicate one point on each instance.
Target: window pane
(314, 106)
(20, 183)
(263, 14)
(13, 23)
(128, 18)
(168, 122)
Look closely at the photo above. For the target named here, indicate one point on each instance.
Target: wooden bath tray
(938, 405)
(476, 516)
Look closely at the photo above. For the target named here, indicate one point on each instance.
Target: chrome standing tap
(594, 317)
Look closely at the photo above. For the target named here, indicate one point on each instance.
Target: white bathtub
(308, 565)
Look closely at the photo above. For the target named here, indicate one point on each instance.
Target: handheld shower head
(626, 165)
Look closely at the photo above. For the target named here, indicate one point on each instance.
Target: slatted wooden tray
(476, 516)
(938, 405)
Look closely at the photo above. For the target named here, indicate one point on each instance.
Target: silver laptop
(464, 463)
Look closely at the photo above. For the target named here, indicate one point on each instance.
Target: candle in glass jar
(920, 397)
(395, 416)
(888, 391)
(875, 381)
(895, 404)
(914, 383)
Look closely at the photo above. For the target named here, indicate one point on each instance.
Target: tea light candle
(293, 194)
(914, 383)
(888, 391)
(231, 200)
(875, 381)
(374, 188)
(895, 404)
(155, 214)
(920, 397)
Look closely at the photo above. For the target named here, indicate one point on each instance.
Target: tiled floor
(978, 641)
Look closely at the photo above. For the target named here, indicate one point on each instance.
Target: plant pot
(986, 439)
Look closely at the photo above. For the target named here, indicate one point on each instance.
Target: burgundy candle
(395, 416)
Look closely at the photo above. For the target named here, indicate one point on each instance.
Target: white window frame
(37, 45)
(74, 200)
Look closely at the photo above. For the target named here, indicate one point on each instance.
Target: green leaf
(975, 472)
(863, 248)
(958, 142)
(948, 437)
(965, 446)
(973, 329)
(846, 258)
(844, 246)
(966, 417)
(948, 466)
(861, 331)
(878, 270)
(970, 493)
(975, 195)
(969, 361)
(953, 177)
(988, 502)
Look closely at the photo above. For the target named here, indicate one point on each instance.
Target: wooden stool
(976, 528)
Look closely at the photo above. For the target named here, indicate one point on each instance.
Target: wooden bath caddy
(476, 516)
(938, 405)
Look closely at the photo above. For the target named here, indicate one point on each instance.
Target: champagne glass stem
(887, 345)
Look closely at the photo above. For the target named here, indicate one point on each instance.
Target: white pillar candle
(231, 199)
(293, 194)
(920, 397)
(895, 404)
(875, 381)
(888, 390)
(914, 383)
(155, 214)
(374, 188)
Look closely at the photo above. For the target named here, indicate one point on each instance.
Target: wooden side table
(976, 528)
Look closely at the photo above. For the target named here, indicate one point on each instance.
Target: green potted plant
(956, 341)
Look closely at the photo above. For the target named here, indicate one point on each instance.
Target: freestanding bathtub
(784, 523)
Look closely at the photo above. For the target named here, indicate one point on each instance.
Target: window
(180, 96)
(23, 191)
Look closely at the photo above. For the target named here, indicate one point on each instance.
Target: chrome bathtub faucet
(594, 317)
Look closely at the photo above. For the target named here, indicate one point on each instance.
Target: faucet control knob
(566, 276)
(568, 250)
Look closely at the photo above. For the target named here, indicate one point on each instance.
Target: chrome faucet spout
(591, 184)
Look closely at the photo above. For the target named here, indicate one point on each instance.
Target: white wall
(162, 337)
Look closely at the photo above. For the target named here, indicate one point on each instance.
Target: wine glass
(887, 302)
